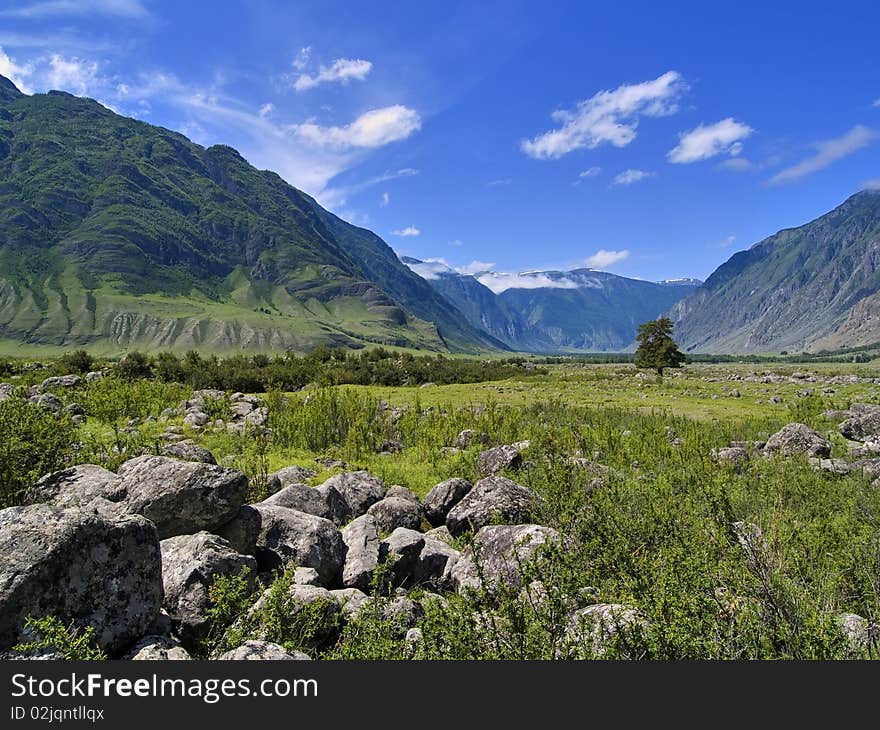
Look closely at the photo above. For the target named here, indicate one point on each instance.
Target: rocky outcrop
(188, 450)
(79, 566)
(78, 486)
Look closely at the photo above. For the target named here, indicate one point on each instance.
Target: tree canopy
(657, 350)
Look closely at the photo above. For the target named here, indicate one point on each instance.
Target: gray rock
(196, 419)
(190, 563)
(361, 538)
(324, 501)
(864, 423)
(77, 565)
(325, 612)
(359, 489)
(839, 467)
(94, 376)
(400, 492)
(393, 512)
(306, 577)
(157, 648)
(189, 450)
(262, 651)
(7, 391)
(290, 537)
(596, 628)
(443, 497)
(242, 530)
(499, 458)
(48, 401)
(736, 456)
(498, 556)
(436, 562)
(182, 497)
(78, 486)
(491, 499)
(468, 437)
(292, 475)
(61, 381)
(797, 439)
(403, 549)
(351, 600)
(861, 634)
(442, 534)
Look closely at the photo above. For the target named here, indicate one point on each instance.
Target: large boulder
(498, 556)
(190, 563)
(181, 497)
(499, 458)
(324, 501)
(492, 499)
(443, 497)
(189, 450)
(157, 648)
(796, 439)
(436, 561)
(402, 549)
(361, 538)
(78, 486)
(290, 537)
(393, 512)
(261, 651)
(76, 565)
(291, 475)
(359, 489)
(863, 424)
(243, 530)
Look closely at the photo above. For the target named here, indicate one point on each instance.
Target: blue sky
(651, 139)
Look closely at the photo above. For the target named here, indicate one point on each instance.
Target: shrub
(72, 642)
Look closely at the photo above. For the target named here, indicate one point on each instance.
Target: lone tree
(656, 347)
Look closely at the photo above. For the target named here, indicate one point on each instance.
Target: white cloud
(709, 140)
(408, 232)
(76, 75)
(628, 177)
(602, 259)
(374, 128)
(591, 172)
(873, 184)
(384, 200)
(432, 268)
(609, 116)
(726, 242)
(500, 182)
(337, 196)
(475, 267)
(266, 110)
(456, 242)
(51, 8)
(16, 73)
(876, 103)
(500, 281)
(302, 58)
(827, 153)
(342, 70)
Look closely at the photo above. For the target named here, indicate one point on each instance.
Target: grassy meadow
(655, 532)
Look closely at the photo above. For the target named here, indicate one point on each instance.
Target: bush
(72, 642)
(33, 442)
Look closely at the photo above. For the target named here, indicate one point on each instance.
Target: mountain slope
(806, 288)
(556, 311)
(115, 234)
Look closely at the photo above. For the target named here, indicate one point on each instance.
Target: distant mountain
(809, 288)
(556, 311)
(117, 234)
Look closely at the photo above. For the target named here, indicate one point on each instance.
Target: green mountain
(809, 288)
(556, 311)
(117, 234)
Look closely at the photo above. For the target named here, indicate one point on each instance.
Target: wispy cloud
(500, 182)
(302, 58)
(408, 232)
(602, 259)
(827, 152)
(341, 71)
(456, 242)
(384, 200)
(499, 281)
(873, 184)
(737, 164)
(266, 110)
(591, 172)
(609, 116)
(876, 103)
(628, 177)
(338, 195)
(726, 242)
(17, 73)
(374, 128)
(709, 140)
(433, 268)
(52, 8)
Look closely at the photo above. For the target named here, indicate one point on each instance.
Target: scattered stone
(491, 499)
(306, 577)
(351, 600)
(359, 489)
(393, 512)
(468, 437)
(196, 419)
(290, 537)
(442, 534)
(189, 450)
(599, 627)
(190, 563)
(443, 497)
(398, 491)
(498, 555)
(864, 424)
(861, 634)
(324, 501)
(77, 565)
(262, 651)
(181, 497)
(736, 456)
(797, 439)
(61, 381)
(499, 458)
(157, 648)
(361, 538)
(291, 475)
(403, 549)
